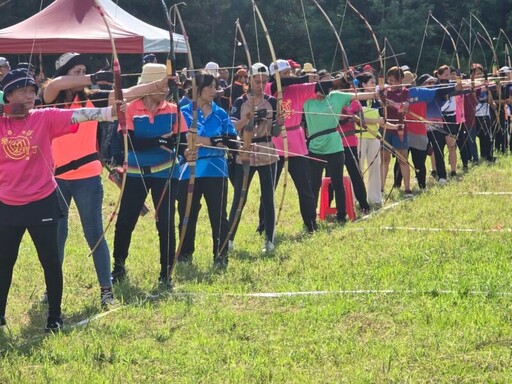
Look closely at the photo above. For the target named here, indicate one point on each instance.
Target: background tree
(211, 28)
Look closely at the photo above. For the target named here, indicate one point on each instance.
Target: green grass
(445, 319)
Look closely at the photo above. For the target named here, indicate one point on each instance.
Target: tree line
(300, 32)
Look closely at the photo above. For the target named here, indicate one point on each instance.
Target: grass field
(418, 293)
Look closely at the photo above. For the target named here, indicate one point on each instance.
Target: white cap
(212, 68)
(259, 69)
(64, 59)
(281, 66)
(505, 69)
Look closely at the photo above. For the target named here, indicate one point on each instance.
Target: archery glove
(103, 76)
(276, 130)
(224, 140)
(168, 142)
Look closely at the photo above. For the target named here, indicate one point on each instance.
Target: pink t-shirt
(26, 165)
(294, 97)
(459, 110)
(348, 130)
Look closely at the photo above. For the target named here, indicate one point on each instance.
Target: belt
(264, 139)
(75, 164)
(322, 133)
(149, 169)
(294, 128)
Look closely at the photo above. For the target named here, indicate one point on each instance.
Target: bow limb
(401, 115)
(489, 39)
(401, 110)
(495, 65)
(507, 47)
(191, 143)
(380, 75)
(118, 92)
(451, 39)
(278, 111)
(170, 69)
(173, 88)
(331, 25)
(374, 37)
(246, 160)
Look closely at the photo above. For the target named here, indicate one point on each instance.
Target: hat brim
(21, 83)
(431, 78)
(75, 60)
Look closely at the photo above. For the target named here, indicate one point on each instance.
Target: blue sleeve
(187, 114)
(420, 94)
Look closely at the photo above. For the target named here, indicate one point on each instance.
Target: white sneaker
(269, 247)
(442, 182)
(231, 246)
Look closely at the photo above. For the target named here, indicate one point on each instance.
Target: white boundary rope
(424, 229)
(488, 193)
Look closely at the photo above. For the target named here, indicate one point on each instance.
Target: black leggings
(335, 162)
(352, 165)
(267, 175)
(132, 202)
(45, 241)
(214, 190)
(419, 156)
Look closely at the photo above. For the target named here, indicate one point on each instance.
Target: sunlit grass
(436, 308)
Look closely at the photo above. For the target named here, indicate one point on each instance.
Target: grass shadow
(191, 272)
(31, 335)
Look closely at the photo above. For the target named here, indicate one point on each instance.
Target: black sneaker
(106, 297)
(220, 262)
(3, 324)
(453, 174)
(54, 324)
(118, 274)
(433, 174)
(313, 227)
(164, 282)
(341, 220)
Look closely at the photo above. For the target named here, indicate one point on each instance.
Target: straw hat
(152, 72)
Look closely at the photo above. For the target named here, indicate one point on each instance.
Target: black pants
(335, 162)
(298, 167)
(418, 160)
(352, 164)
(463, 142)
(45, 241)
(134, 195)
(267, 175)
(214, 190)
(484, 132)
(438, 142)
(501, 136)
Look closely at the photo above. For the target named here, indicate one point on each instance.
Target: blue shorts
(394, 140)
